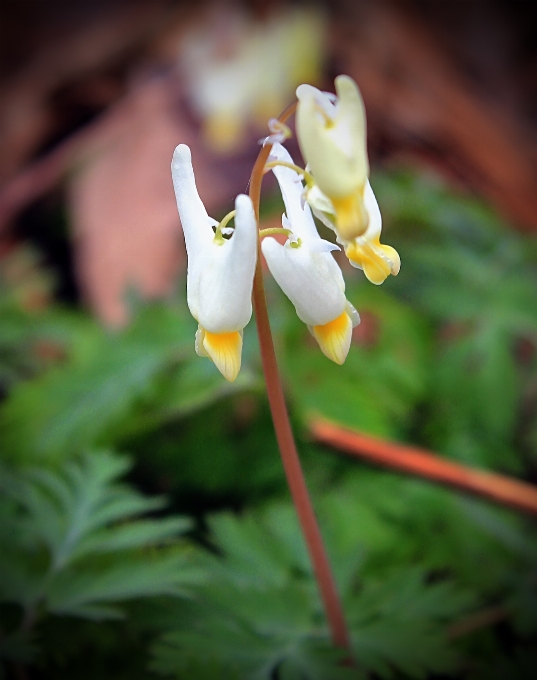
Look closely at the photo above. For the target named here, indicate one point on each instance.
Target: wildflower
(221, 264)
(331, 132)
(306, 271)
(222, 59)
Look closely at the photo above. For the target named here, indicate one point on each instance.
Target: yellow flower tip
(334, 338)
(352, 218)
(225, 350)
(222, 132)
(378, 261)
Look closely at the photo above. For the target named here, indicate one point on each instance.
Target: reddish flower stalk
(284, 433)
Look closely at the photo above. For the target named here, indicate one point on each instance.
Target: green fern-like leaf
(109, 386)
(76, 545)
(261, 610)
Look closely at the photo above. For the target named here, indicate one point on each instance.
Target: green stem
(274, 230)
(222, 224)
(284, 164)
(284, 433)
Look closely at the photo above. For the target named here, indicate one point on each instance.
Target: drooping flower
(331, 131)
(220, 269)
(307, 272)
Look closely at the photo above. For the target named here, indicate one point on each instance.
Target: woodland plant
(224, 267)
(95, 575)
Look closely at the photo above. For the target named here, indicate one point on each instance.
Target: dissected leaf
(262, 612)
(73, 544)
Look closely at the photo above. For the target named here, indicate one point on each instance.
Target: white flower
(307, 272)
(332, 138)
(331, 132)
(240, 71)
(220, 270)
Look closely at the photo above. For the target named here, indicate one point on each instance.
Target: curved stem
(284, 164)
(284, 433)
(272, 231)
(223, 224)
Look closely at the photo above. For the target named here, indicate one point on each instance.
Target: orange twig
(498, 488)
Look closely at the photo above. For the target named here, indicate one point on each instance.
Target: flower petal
(375, 218)
(197, 225)
(377, 260)
(334, 338)
(225, 285)
(352, 218)
(225, 350)
(312, 281)
(335, 149)
(291, 186)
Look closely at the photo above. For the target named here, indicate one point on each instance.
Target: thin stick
(284, 433)
(498, 488)
(477, 620)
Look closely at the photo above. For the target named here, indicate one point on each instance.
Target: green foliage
(72, 543)
(481, 281)
(260, 607)
(385, 374)
(109, 386)
(224, 454)
(445, 356)
(520, 667)
(24, 290)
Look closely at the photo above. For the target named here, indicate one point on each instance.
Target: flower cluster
(335, 187)
(332, 136)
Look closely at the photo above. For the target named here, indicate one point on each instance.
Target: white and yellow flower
(239, 71)
(331, 131)
(220, 269)
(306, 271)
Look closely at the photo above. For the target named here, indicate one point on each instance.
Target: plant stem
(223, 223)
(284, 433)
(274, 230)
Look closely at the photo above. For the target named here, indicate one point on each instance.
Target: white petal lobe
(312, 281)
(225, 288)
(300, 218)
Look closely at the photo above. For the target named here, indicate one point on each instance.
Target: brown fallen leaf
(125, 223)
(62, 52)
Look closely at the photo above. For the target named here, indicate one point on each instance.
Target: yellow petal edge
(377, 260)
(352, 218)
(334, 338)
(225, 350)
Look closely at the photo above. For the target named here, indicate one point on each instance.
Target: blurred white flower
(240, 71)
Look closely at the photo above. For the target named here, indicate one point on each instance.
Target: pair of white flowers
(222, 261)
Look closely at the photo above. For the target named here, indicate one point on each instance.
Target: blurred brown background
(95, 96)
